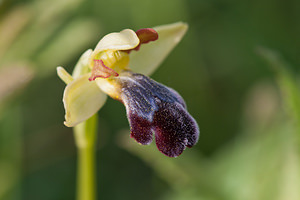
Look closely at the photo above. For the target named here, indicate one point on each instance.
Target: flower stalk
(85, 139)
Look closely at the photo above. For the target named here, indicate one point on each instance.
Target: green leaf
(287, 82)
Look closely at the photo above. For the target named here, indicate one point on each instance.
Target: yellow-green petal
(124, 40)
(151, 55)
(82, 66)
(82, 99)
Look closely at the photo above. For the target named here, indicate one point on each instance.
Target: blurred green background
(237, 68)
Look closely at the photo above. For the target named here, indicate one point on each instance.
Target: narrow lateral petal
(151, 55)
(82, 99)
(64, 75)
(147, 35)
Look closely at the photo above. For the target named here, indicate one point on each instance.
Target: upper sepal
(124, 40)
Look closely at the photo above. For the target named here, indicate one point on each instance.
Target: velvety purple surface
(154, 108)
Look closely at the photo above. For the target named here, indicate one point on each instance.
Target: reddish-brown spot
(100, 70)
(145, 35)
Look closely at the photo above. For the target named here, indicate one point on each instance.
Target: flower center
(108, 63)
(116, 60)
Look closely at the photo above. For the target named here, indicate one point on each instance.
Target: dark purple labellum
(153, 107)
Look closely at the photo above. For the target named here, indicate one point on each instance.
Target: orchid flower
(115, 68)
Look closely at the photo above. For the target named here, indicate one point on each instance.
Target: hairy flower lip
(153, 107)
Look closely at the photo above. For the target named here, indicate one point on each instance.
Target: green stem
(86, 175)
(85, 138)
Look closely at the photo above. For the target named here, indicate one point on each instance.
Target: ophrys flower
(115, 68)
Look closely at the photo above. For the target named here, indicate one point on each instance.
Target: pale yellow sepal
(124, 40)
(82, 99)
(152, 54)
(82, 66)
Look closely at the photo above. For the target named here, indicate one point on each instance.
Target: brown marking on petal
(100, 70)
(145, 35)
